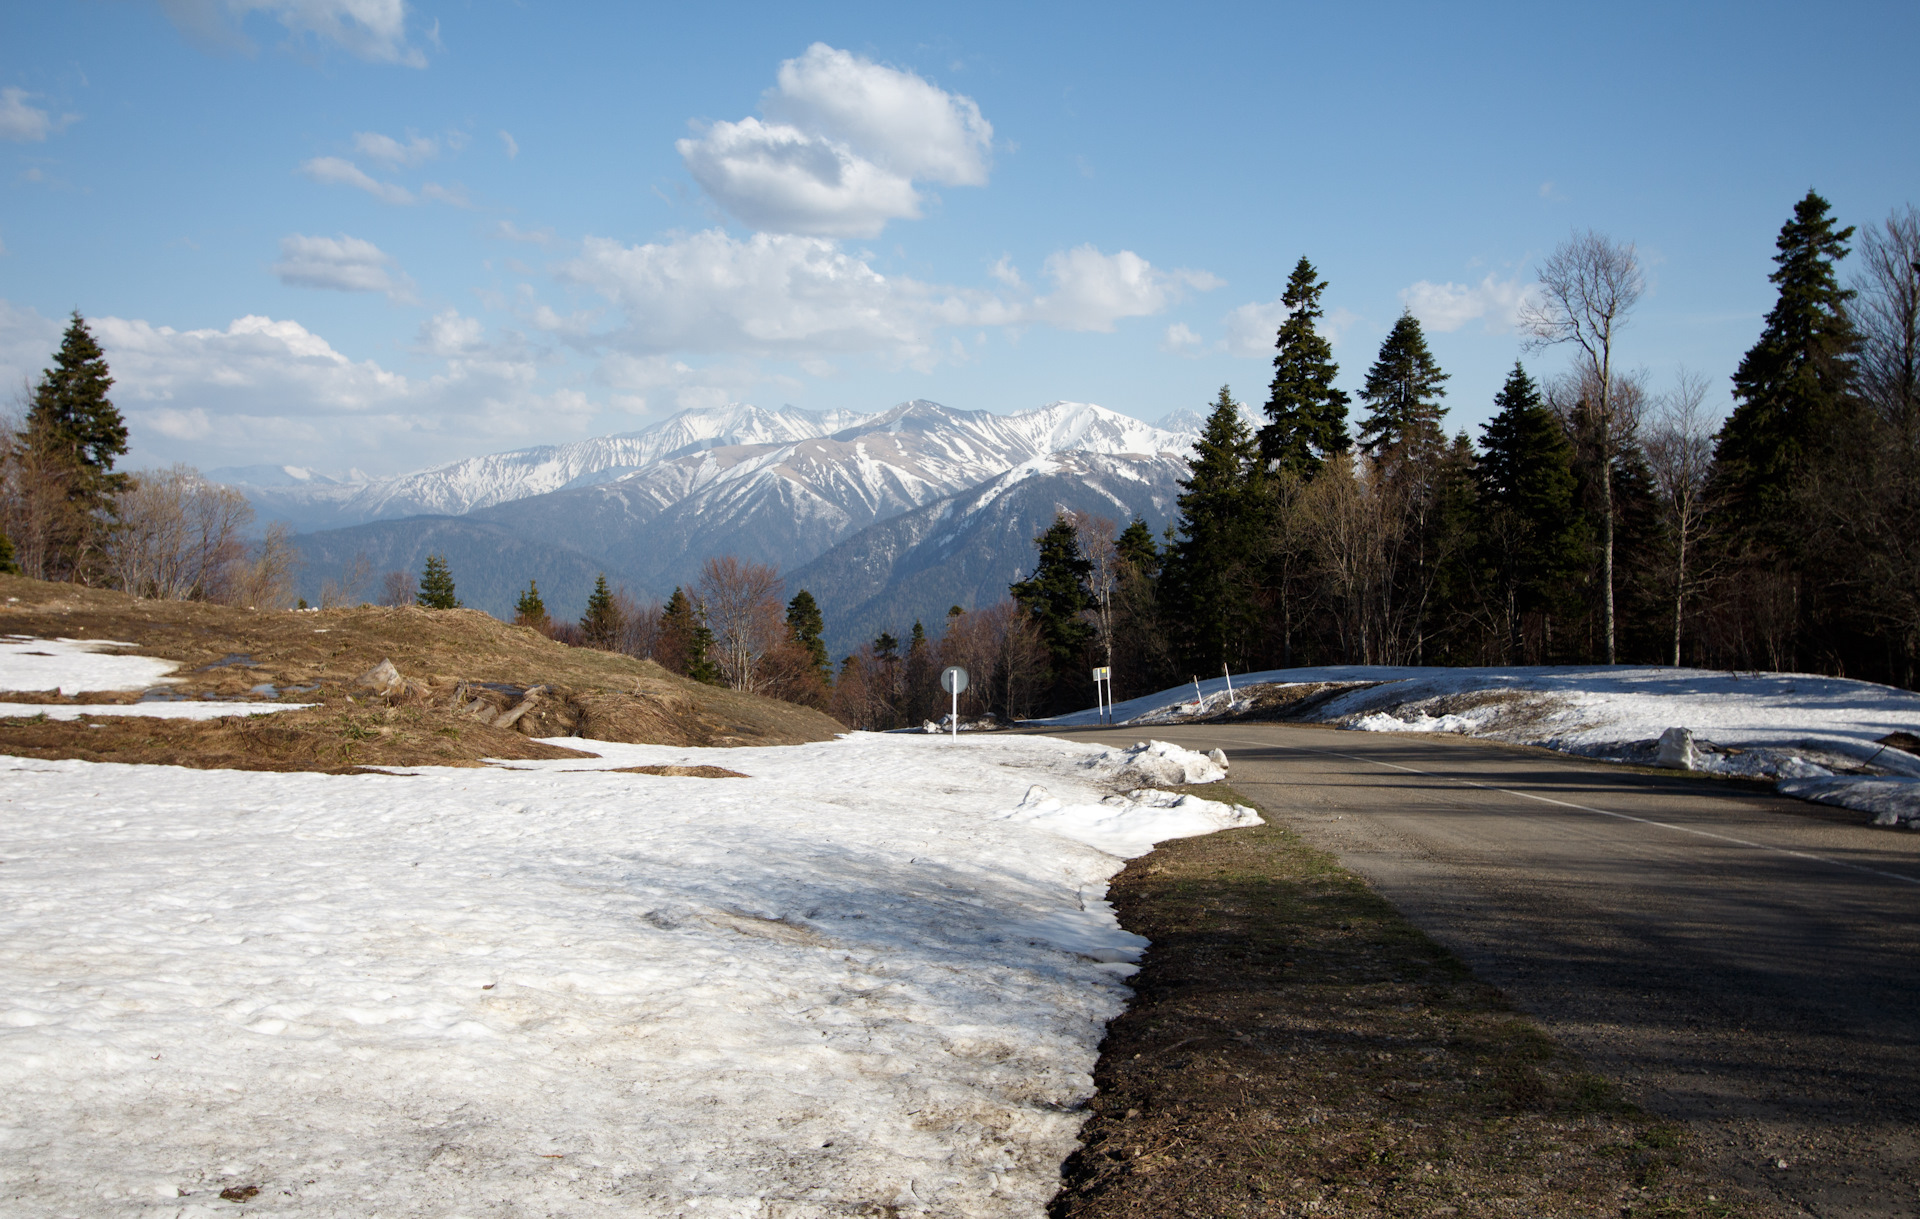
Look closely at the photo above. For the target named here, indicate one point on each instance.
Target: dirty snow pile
(871, 976)
(1892, 799)
(86, 666)
(1787, 726)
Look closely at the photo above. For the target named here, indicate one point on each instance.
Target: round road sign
(953, 679)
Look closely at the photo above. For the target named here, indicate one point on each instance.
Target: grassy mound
(470, 687)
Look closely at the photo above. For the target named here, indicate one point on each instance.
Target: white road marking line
(1684, 829)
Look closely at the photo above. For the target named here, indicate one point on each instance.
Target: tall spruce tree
(600, 624)
(1137, 549)
(1532, 537)
(686, 642)
(1307, 416)
(805, 625)
(1403, 390)
(73, 434)
(1056, 594)
(1210, 575)
(1795, 387)
(70, 417)
(436, 585)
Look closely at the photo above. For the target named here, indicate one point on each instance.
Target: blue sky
(374, 234)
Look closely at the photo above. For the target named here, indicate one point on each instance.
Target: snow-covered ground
(1763, 725)
(93, 666)
(872, 974)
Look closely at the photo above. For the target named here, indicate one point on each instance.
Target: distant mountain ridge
(779, 487)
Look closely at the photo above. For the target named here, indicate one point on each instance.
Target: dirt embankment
(468, 687)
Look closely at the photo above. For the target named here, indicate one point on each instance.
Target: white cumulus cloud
(373, 30)
(447, 333)
(781, 179)
(892, 117)
(842, 145)
(1450, 306)
(337, 171)
(1092, 290)
(343, 264)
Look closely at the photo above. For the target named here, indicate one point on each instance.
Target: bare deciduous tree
(1588, 288)
(346, 588)
(1679, 450)
(1096, 534)
(742, 603)
(1886, 310)
(177, 536)
(396, 588)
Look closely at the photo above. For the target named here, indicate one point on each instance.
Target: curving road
(1742, 962)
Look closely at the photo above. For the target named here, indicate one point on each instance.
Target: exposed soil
(469, 687)
(1296, 1047)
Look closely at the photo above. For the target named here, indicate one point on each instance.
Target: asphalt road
(1744, 963)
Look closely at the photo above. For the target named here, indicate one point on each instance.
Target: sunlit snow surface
(875, 973)
(76, 666)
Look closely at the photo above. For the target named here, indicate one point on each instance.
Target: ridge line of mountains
(886, 518)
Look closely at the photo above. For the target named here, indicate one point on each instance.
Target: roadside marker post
(953, 679)
(1105, 702)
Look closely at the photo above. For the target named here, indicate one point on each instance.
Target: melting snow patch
(874, 975)
(1893, 800)
(75, 666)
(1157, 764)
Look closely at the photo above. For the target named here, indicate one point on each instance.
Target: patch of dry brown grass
(462, 666)
(1296, 1047)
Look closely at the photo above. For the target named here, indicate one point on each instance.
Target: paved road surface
(1734, 959)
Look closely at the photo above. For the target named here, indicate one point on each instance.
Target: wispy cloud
(512, 145)
(1450, 306)
(338, 171)
(392, 153)
(342, 264)
(373, 30)
(25, 124)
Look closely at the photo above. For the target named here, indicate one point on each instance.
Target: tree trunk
(1679, 596)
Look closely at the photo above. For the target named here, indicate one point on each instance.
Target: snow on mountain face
(785, 503)
(482, 481)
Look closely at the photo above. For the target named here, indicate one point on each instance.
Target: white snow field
(873, 974)
(1764, 725)
(85, 666)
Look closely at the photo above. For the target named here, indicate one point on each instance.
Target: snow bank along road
(1736, 960)
(873, 974)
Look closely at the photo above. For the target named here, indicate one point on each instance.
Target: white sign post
(1105, 702)
(953, 679)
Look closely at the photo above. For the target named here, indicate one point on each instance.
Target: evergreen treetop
(1796, 383)
(805, 625)
(436, 586)
(1056, 595)
(600, 624)
(1208, 573)
(530, 610)
(1137, 549)
(1307, 416)
(70, 415)
(1403, 389)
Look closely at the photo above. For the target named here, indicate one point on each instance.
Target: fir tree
(805, 626)
(1137, 549)
(600, 624)
(1210, 578)
(70, 416)
(686, 642)
(436, 586)
(530, 610)
(1404, 391)
(8, 565)
(1307, 415)
(73, 434)
(1532, 536)
(1057, 596)
(1795, 386)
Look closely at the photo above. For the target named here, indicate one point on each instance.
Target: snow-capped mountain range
(782, 487)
